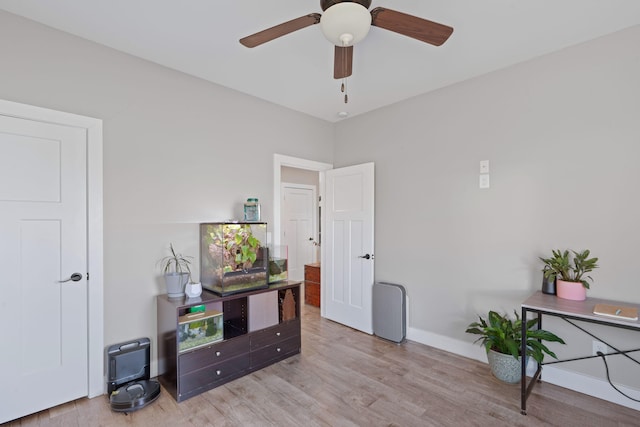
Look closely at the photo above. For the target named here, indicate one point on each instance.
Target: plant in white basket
(570, 271)
(502, 338)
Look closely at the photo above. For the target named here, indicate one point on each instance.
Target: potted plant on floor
(177, 272)
(571, 282)
(501, 336)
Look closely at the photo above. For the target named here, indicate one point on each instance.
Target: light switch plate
(484, 166)
(484, 180)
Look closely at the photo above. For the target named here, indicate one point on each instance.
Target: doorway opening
(300, 218)
(308, 174)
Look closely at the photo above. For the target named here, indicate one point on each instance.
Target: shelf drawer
(275, 334)
(211, 375)
(214, 354)
(272, 353)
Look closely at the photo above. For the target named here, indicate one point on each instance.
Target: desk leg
(524, 389)
(523, 362)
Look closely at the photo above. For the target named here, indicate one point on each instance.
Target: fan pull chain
(343, 89)
(343, 86)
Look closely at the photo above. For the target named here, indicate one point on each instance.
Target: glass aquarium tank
(233, 256)
(199, 329)
(278, 269)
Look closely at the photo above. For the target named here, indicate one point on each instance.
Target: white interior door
(299, 224)
(348, 246)
(43, 241)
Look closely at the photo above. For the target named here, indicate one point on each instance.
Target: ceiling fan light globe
(345, 22)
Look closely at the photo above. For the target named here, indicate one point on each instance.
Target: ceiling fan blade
(342, 62)
(280, 30)
(410, 26)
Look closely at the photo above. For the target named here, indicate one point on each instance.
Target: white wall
(562, 133)
(177, 152)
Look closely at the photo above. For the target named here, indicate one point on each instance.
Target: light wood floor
(347, 378)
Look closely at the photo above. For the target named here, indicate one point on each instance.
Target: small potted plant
(570, 271)
(177, 272)
(501, 336)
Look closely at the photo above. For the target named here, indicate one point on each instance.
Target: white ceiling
(200, 37)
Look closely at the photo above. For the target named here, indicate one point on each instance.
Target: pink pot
(571, 290)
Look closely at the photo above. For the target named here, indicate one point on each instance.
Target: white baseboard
(595, 387)
(581, 383)
(447, 344)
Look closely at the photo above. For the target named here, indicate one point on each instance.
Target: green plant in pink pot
(570, 271)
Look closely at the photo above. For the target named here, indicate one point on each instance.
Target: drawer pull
(278, 349)
(218, 372)
(277, 334)
(217, 354)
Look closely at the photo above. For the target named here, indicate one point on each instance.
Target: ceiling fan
(346, 22)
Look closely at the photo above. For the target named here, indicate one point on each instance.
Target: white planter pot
(175, 283)
(505, 367)
(193, 290)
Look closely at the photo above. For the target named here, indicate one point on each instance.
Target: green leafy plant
(502, 334)
(560, 266)
(246, 247)
(175, 263)
(240, 246)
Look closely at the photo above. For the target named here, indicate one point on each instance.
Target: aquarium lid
(198, 315)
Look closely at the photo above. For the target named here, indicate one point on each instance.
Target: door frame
(95, 251)
(314, 216)
(280, 160)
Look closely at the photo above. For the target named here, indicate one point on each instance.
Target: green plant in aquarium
(240, 246)
(211, 329)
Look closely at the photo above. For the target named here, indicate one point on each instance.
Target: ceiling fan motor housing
(326, 4)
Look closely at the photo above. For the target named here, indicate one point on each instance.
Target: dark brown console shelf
(260, 327)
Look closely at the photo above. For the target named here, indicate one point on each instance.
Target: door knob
(74, 277)
(365, 256)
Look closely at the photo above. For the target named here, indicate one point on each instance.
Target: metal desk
(568, 310)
